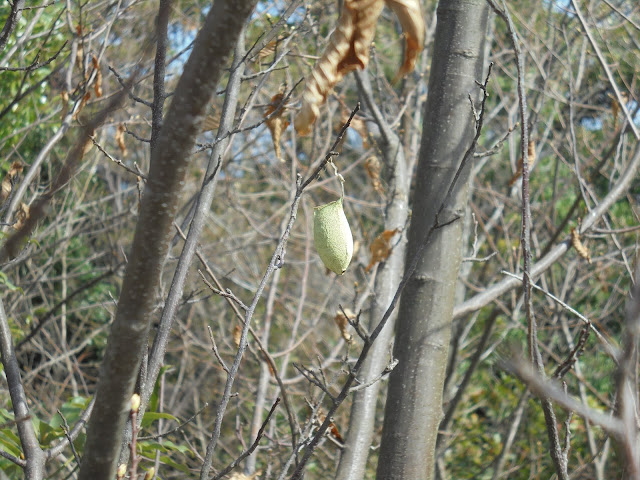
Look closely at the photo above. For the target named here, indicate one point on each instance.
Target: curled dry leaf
(84, 101)
(211, 122)
(64, 96)
(120, 139)
(583, 252)
(333, 429)
(237, 333)
(348, 50)
(79, 57)
(22, 215)
(373, 168)
(410, 16)
(97, 86)
(381, 247)
(88, 143)
(342, 322)
(10, 179)
(531, 158)
(276, 123)
(269, 49)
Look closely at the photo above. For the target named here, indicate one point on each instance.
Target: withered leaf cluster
(381, 247)
(277, 122)
(348, 50)
(342, 322)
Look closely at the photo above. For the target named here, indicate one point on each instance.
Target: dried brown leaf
(276, 123)
(343, 323)
(10, 179)
(84, 101)
(410, 16)
(97, 86)
(22, 215)
(210, 123)
(237, 333)
(381, 247)
(373, 168)
(333, 429)
(531, 159)
(347, 50)
(583, 252)
(120, 139)
(79, 57)
(64, 96)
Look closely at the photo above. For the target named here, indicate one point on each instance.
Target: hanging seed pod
(332, 236)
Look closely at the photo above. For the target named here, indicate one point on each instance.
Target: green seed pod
(332, 236)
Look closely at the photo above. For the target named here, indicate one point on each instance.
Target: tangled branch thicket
(243, 352)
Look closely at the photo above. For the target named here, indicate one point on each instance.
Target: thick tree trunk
(169, 162)
(414, 401)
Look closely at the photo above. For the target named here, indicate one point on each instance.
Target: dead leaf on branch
(10, 179)
(64, 96)
(583, 251)
(269, 49)
(22, 215)
(97, 85)
(373, 168)
(83, 102)
(333, 429)
(277, 123)
(381, 247)
(410, 16)
(342, 322)
(531, 159)
(211, 122)
(88, 144)
(237, 334)
(348, 50)
(120, 139)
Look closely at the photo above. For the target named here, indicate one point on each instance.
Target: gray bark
(353, 460)
(169, 162)
(33, 455)
(414, 401)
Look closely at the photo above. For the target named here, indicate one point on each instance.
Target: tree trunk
(169, 162)
(414, 401)
(353, 460)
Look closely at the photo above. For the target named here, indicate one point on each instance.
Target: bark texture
(353, 460)
(414, 401)
(154, 231)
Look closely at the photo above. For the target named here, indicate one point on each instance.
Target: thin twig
(253, 446)
(65, 429)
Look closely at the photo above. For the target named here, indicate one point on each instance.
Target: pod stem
(340, 177)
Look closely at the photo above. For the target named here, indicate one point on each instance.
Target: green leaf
(150, 417)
